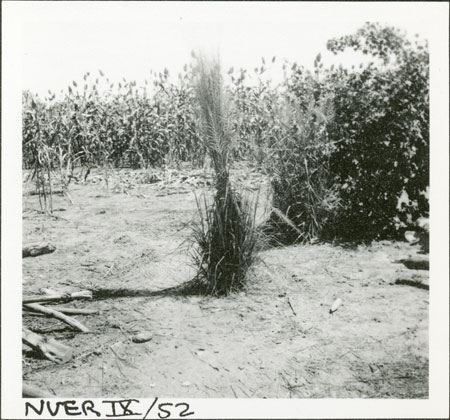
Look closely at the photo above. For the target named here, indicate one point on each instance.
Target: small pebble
(142, 337)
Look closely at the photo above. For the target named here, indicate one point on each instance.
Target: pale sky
(63, 40)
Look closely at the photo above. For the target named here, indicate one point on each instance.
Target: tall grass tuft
(305, 200)
(225, 243)
(225, 237)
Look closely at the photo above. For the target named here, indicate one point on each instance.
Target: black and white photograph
(225, 209)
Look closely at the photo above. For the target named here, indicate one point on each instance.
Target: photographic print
(226, 201)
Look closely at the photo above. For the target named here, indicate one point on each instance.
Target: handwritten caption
(156, 409)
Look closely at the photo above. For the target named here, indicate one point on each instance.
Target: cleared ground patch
(276, 339)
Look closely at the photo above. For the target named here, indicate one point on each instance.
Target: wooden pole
(84, 294)
(56, 314)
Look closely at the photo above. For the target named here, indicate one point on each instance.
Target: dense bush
(381, 134)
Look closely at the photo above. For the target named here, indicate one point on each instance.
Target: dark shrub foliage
(381, 132)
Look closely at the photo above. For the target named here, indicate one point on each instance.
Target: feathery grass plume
(214, 113)
(225, 238)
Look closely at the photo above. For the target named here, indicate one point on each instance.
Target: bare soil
(276, 339)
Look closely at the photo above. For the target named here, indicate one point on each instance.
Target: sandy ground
(276, 339)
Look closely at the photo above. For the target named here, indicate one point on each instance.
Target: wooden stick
(76, 311)
(42, 330)
(73, 311)
(49, 348)
(56, 314)
(290, 304)
(84, 294)
(109, 270)
(286, 220)
(30, 391)
(37, 249)
(29, 312)
(414, 283)
(416, 263)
